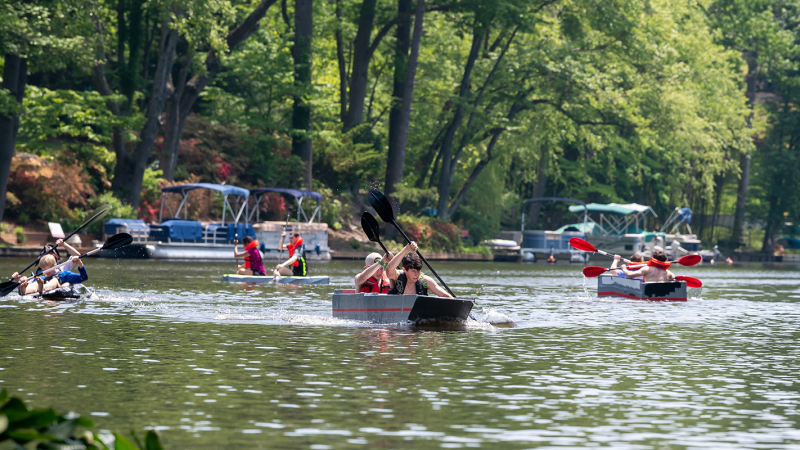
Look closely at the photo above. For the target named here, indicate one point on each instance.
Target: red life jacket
(250, 246)
(664, 265)
(371, 285)
(291, 248)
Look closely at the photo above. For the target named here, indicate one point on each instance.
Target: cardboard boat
(231, 278)
(384, 308)
(611, 286)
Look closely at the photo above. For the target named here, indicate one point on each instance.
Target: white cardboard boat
(384, 308)
(231, 278)
(611, 286)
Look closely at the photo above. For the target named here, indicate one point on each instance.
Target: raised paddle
(580, 244)
(384, 209)
(98, 214)
(114, 242)
(371, 229)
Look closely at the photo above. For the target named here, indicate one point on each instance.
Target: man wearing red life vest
(373, 278)
(297, 257)
(657, 269)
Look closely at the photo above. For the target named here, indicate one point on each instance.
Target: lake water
(213, 365)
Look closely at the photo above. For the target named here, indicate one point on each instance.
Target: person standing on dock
(297, 257)
(373, 278)
(253, 265)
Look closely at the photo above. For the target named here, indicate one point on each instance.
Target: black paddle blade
(117, 241)
(370, 227)
(381, 205)
(7, 287)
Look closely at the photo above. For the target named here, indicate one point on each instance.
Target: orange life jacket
(371, 285)
(291, 248)
(664, 265)
(250, 246)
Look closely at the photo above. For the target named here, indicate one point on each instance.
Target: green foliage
(432, 235)
(19, 233)
(118, 210)
(331, 208)
(26, 426)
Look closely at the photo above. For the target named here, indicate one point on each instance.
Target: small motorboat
(385, 308)
(611, 286)
(231, 278)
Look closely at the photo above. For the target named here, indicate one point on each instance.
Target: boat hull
(384, 308)
(611, 286)
(230, 278)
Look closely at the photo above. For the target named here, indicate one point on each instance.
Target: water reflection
(217, 365)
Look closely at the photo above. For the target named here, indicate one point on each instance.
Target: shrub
(355, 243)
(431, 234)
(20, 235)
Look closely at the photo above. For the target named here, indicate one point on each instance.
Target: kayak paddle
(691, 282)
(384, 209)
(371, 229)
(114, 242)
(580, 244)
(98, 214)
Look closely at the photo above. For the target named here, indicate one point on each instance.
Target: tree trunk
(361, 59)
(173, 126)
(540, 186)
(445, 178)
(301, 109)
(15, 75)
(127, 184)
(402, 44)
(744, 163)
(342, 64)
(179, 110)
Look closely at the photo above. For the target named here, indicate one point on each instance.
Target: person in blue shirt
(51, 279)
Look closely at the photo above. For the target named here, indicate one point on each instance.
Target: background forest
(456, 108)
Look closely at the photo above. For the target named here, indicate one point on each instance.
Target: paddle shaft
(92, 252)
(423, 259)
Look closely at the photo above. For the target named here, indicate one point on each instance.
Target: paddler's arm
(365, 274)
(634, 273)
(435, 287)
(391, 268)
(74, 278)
(289, 261)
(70, 249)
(616, 261)
(280, 244)
(236, 253)
(670, 275)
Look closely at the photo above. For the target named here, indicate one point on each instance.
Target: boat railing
(140, 235)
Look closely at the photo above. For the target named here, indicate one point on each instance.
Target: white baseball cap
(370, 259)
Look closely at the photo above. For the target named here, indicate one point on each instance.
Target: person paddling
(297, 257)
(657, 269)
(636, 263)
(411, 280)
(253, 265)
(373, 278)
(51, 278)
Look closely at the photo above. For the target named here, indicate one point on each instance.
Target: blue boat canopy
(296, 193)
(225, 189)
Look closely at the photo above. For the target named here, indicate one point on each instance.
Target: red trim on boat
(375, 309)
(617, 294)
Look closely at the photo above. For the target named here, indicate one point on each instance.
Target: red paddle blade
(580, 244)
(691, 282)
(689, 260)
(593, 271)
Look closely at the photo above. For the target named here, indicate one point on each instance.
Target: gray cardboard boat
(611, 286)
(384, 308)
(230, 278)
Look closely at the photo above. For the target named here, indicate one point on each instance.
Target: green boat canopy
(611, 208)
